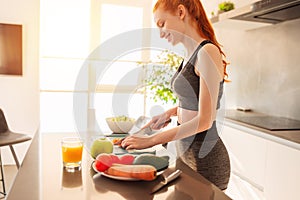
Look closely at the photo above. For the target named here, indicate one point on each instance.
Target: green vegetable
(122, 118)
(159, 162)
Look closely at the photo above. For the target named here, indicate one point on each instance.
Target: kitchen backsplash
(264, 68)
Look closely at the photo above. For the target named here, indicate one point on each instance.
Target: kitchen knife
(167, 180)
(148, 129)
(144, 131)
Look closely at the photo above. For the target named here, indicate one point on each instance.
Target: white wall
(264, 67)
(19, 97)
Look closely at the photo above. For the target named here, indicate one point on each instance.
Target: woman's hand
(137, 142)
(159, 121)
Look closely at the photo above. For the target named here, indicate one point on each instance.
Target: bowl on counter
(120, 124)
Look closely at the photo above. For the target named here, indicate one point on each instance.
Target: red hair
(197, 12)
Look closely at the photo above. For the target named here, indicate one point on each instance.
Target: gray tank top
(185, 83)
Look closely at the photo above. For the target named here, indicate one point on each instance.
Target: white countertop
(289, 138)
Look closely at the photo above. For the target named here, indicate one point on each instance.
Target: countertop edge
(29, 168)
(260, 133)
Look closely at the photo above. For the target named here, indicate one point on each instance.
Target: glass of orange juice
(72, 148)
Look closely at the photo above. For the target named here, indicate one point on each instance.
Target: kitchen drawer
(247, 155)
(282, 172)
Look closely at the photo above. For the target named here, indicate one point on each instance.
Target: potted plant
(225, 6)
(158, 76)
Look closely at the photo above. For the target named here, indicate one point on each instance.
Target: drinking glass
(72, 148)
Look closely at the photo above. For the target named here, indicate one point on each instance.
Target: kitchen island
(42, 176)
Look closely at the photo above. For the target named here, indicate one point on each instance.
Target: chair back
(3, 123)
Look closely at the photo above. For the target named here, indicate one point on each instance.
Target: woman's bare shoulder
(209, 49)
(209, 55)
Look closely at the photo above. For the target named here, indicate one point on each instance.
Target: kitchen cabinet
(282, 172)
(271, 167)
(226, 20)
(247, 155)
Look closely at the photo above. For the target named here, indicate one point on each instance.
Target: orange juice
(72, 154)
(72, 148)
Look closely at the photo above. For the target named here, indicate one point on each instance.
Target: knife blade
(167, 180)
(144, 131)
(148, 129)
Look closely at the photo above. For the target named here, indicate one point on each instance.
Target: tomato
(100, 166)
(105, 160)
(127, 159)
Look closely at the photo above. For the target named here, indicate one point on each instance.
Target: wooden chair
(9, 138)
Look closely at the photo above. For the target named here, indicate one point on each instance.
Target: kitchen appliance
(271, 11)
(271, 123)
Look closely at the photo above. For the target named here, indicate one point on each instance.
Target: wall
(20, 94)
(264, 68)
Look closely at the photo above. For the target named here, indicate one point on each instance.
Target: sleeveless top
(185, 83)
(203, 152)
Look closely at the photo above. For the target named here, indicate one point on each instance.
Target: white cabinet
(283, 172)
(247, 155)
(270, 167)
(226, 20)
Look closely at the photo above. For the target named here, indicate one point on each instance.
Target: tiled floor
(10, 172)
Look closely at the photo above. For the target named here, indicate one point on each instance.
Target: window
(70, 36)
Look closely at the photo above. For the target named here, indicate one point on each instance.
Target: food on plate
(104, 161)
(142, 172)
(159, 162)
(122, 118)
(127, 159)
(101, 145)
(120, 124)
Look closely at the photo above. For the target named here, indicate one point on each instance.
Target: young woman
(198, 84)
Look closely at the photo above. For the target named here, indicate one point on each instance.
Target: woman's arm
(158, 121)
(210, 70)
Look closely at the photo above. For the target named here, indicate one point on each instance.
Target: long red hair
(196, 10)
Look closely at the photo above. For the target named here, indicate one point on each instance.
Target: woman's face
(171, 26)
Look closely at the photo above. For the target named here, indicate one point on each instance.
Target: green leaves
(159, 74)
(226, 6)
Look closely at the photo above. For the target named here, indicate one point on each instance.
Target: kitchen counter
(42, 176)
(289, 138)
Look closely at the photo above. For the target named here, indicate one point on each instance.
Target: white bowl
(119, 126)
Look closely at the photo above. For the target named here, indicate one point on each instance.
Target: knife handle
(173, 176)
(163, 123)
(168, 121)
